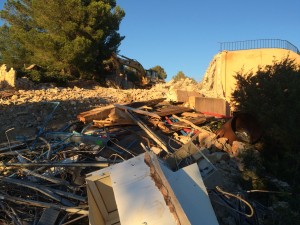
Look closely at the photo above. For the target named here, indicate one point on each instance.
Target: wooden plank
(191, 124)
(108, 123)
(139, 111)
(30, 202)
(117, 114)
(95, 216)
(104, 186)
(113, 218)
(176, 126)
(96, 196)
(116, 117)
(102, 113)
(142, 125)
(150, 103)
(192, 114)
(95, 114)
(161, 125)
(172, 110)
(102, 200)
(197, 120)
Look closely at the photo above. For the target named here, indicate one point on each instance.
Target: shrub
(180, 75)
(272, 96)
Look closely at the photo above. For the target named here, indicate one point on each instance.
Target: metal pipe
(77, 210)
(86, 164)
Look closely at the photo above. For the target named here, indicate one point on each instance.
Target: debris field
(43, 175)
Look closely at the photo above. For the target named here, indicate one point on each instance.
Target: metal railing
(259, 43)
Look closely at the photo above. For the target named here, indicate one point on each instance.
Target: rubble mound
(141, 121)
(183, 84)
(24, 107)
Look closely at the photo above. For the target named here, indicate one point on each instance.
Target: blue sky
(185, 35)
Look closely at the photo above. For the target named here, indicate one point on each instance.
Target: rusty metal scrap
(242, 127)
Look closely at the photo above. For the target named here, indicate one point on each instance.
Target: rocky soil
(29, 106)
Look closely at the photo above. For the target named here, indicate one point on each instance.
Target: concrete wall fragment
(7, 77)
(219, 81)
(215, 106)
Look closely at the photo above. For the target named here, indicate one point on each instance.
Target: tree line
(64, 39)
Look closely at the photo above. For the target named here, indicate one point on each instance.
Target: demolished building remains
(132, 162)
(160, 149)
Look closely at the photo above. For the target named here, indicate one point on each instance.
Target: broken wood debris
(172, 109)
(139, 111)
(148, 131)
(47, 174)
(95, 114)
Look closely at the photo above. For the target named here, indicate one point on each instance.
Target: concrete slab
(183, 96)
(214, 106)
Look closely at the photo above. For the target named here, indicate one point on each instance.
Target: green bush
(180, 75)
(272, 96)
(34, 75)
(41, 75)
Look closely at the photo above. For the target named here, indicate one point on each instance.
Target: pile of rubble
(61, 146)
(44, 172)
(23, 108)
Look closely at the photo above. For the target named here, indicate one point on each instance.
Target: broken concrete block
(237, 148)
(7, 78)
(220, 143)
(202, 136)
(207, 139)
(214, 106)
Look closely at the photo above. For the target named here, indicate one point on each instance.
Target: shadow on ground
(25, 119)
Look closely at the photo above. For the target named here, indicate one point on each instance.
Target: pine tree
(70, 38)
(160, 71)
(180, 75)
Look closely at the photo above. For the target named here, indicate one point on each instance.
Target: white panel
(190, 191)
(138, 199)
